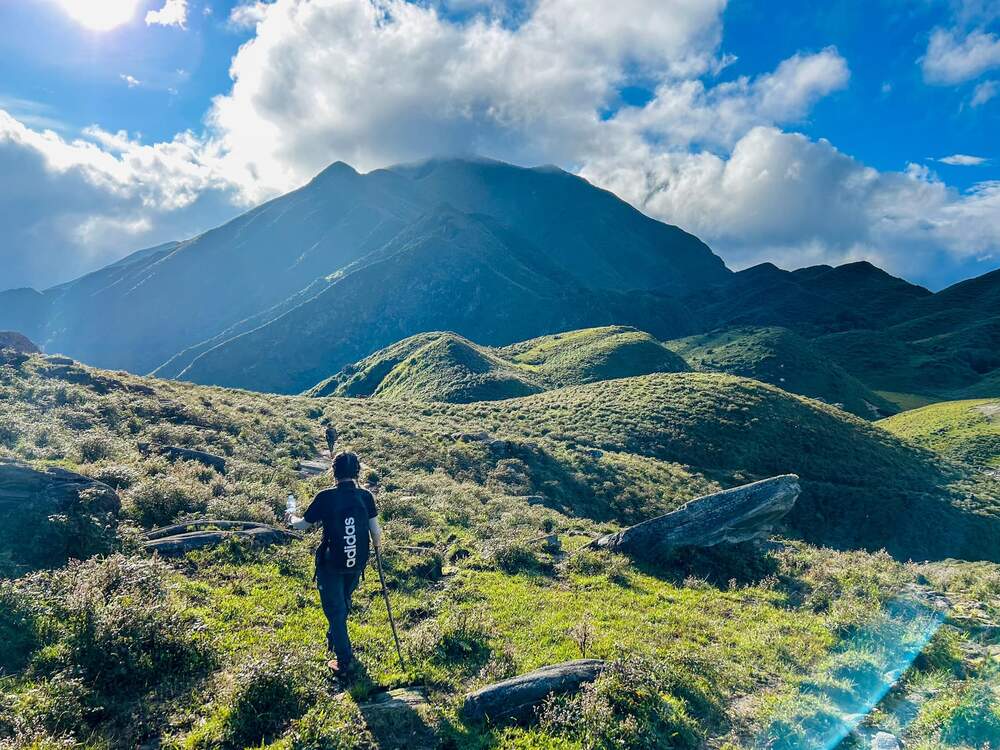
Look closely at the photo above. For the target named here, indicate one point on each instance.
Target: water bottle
(290, 504)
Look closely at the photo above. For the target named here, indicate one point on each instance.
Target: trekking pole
(388, 607)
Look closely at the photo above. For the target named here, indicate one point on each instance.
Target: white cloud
(247, 15)
(173, 13)
(963, 160)
(131, 81)
(784, 198)
(70, 206)
(984, 92)
(373, 82)
(384, 81)
(952, 58)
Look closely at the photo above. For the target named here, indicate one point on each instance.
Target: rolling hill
(447, 367)
(785, 359)
(968, 431)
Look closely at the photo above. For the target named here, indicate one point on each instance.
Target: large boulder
(516, 699)
(736, 515)
(17, 342)
(50, 515)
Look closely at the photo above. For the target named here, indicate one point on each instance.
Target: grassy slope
(740, 638)
(783, 358)
(965, 430)
(448, 367)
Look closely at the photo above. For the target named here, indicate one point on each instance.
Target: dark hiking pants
(335, 589)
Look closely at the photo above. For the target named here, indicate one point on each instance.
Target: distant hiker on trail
(331, 438)
(348, 515)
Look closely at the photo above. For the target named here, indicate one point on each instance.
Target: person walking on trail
(331, 438)
(349, 517)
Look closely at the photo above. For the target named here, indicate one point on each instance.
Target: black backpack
(345, 546)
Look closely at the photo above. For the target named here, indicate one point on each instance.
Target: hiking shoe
(339, 671)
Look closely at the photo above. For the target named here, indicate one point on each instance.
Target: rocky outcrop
(176, 540)
(735, 515)
(50, 515)
(52, 490)
(516, 699)
(17, 342)
(177, 453)
(885, 741)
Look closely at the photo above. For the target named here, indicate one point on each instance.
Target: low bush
(634, 705)
(271, 691)
(121, 629)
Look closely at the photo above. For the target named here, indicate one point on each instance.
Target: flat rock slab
(516, 699)
(314, 467)
(194, 536)
(732, 516)
(400, 719)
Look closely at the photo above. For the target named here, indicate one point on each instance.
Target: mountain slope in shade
(448, 271)
(602, 241)
(174, 302)
(447, 367)
(813, 300)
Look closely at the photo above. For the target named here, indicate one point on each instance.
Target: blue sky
(794, 132)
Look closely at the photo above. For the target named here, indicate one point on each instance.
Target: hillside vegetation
(783, 358)
(221, 649)
(968, 431)
(448, 367)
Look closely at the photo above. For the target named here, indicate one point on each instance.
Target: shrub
(19, 628)
(271, 691)
(635, 704)
(157, 501)
(95, 446)
(333, 725)
(58, 707)
(122, 630)
(512, 556)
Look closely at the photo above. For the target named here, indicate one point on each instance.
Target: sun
(100, 15)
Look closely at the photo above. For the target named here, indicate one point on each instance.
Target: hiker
(349, 516)
(331, 437)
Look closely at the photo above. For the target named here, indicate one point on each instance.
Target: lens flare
(100, 15)
(832, 702)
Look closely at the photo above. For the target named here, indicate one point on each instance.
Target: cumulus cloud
(785, 198)
(963, 160)
(130, 81)
(173, 13)
(952, 58)
(70, 206)
(374, 82)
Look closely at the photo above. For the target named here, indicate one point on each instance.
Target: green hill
(785, 359)
(447, 367)
(965, 430)
(223, 648)
(592, 354)
(442, 367)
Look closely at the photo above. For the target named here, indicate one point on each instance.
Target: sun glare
(100, 15)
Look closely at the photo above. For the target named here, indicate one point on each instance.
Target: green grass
(965, 430)
(722, 641)
(447, 367)
(783, 358)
